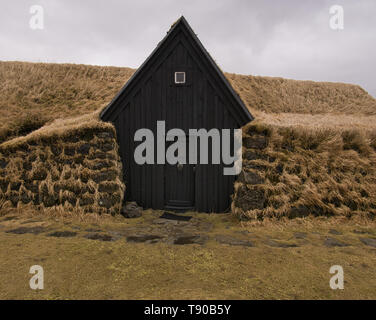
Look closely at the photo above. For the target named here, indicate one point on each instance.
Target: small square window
(179, 77)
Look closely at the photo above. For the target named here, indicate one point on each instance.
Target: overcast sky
(289, 38)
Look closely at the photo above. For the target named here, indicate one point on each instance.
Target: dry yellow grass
(278, 95)
(79, 268)
(33, 94)
(307, 170)
(60, 127)
(60, 165)
(338, 122)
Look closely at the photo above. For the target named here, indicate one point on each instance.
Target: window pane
(179, 77)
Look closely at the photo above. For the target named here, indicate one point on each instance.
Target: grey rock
(190, 239)
(105, 135)
(84, 148)
(335, 232)
(99, 236)
(300, 235)
(149, 238)
(332, 242)
(360, 231)
(131, 210)
(3, 163)
(109, 175)
(224, 239)
(277, 244)
(23, 230)
(69, 151)
(93, 230)
(252, 155)
(249, 199)
(368, 242)
(255, 142)
(250, 177)
(165, 222)
(63, 234)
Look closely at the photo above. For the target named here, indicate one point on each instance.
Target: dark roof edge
(219, 72)
(246, 113)
(134, 75)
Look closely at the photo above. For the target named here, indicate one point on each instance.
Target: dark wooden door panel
(179, 182)
(179, 185)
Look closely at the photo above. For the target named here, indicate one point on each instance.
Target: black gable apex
(234, 103)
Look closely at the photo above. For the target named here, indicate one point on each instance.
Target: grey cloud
(289, 38)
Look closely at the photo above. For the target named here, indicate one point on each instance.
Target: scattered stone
(93, 230)
(109, 187)
(165, 221)
(190, 239)
(106, 147)
(332, 242)
(224, 239)
(250, 177)
(100, 165)
(85, 201)
(252, 155)
(99, 236)
(300, 235)
(335, 232)
(69, 151)
(84, 148)
(3, 163)
(105, 135)
(360, 231)
(255, 142)
(109, 175)
(23, 230)
(278, 244)
(150, 238)
(131, 210)
(116, 235)
(63, 234)
(249, 199)
(368, 242)
(4, 185)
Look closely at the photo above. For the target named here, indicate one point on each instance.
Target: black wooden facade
(206, 100)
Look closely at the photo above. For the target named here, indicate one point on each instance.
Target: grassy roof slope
(32, 94)
(35, 94)
(278, 95)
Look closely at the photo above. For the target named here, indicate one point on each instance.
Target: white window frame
(180, 82)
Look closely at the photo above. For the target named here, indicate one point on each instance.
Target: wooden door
(179, 185)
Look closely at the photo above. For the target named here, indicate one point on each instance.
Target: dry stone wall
(295, 172)
(79, 169)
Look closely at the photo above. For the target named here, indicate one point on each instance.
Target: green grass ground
(80, 268)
